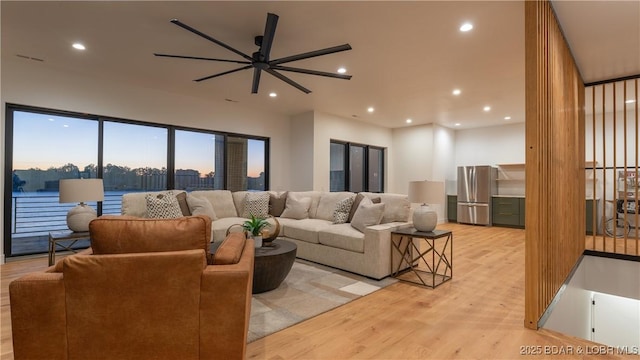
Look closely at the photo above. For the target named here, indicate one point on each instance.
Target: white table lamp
(425, 192)
(79, 191)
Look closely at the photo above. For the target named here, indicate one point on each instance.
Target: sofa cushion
(304, 230)
(354, 206)
(327, 204)
(342, 236)
(367, 214)
(200, 206)
(163, 206)
(313, 195)
(256, 204)
(341, 212)
(125, 234)
(221, 200)
(230, 250)
(135, 204)
(397, 206)
(182, 201)
(277, 203)
(296, 208)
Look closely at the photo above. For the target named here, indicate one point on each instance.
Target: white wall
(491, 145)
(302, 152)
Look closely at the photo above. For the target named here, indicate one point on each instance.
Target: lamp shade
(426, 192)
(81, 190)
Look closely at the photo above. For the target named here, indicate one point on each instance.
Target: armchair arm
(225, 307)
(38, 312)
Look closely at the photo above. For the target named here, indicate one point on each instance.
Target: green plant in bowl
(255, 225)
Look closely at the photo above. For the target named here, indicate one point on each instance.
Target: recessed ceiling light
(507, 117)
(370, 109)
(486, 108)
(466, 27)
(630, 101)
(456, 92)
(65, 125)
(456, 124)
(51, 119)
(272, 94)
(342, 70)
(409, 121)
(78, 46)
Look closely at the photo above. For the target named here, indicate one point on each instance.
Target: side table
(65, 240)
(431, 267)
(272, 265)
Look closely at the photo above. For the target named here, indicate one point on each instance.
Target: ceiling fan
(260, 60)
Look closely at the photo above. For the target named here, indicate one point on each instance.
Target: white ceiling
(407, 57)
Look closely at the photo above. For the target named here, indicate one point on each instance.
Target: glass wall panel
(245, 164)
(46, 148)
(337, 173)
(135, 159)
(375, 170)
(197, 164)
(356, 168)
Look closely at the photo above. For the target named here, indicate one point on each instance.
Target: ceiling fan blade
(288, 81)
(256, 80)
(312, 72)
(201, 58)
(269, 34)
(223, 73)
(311, 54)
(217, 42)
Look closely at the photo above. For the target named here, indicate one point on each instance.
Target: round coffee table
(272, 265)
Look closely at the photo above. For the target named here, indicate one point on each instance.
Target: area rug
(310, 289)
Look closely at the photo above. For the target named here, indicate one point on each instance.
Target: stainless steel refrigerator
(476, 185)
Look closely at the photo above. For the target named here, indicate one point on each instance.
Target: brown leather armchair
(147, 289)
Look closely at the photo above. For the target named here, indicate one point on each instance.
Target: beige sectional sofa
(318, 238)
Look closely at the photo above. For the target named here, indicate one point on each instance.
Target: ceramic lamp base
(79, 217)
(425, 219)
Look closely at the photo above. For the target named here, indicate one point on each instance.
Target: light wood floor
(477, 315)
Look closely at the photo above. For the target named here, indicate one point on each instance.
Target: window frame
(347, 158)
(10, 108)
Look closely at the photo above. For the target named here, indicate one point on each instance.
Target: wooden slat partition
(555, 157)
(614, 115)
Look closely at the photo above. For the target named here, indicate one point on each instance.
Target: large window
(356, 167)
(135, 157)
(44, 146)
(199, 161)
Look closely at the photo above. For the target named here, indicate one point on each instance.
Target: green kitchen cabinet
(452, 208)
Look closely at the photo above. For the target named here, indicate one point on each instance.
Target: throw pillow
(163, 206)
(200, 206)
(277, 203)
(256, 204)
(354, 207)
(182, 201)
(367, 215)
(341, 213)
(296, 208)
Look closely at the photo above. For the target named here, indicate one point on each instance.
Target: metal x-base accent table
(437, 258)
(56, 237)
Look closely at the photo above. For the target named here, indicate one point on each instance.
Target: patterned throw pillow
(256, 204)
(341, 212)
(163, 206)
